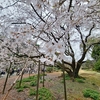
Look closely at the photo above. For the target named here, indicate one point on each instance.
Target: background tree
(96, 52)
(96, 56)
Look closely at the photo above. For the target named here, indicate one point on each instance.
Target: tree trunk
(76, 73)
(73, 73)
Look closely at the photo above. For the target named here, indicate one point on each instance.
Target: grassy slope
(74, 89)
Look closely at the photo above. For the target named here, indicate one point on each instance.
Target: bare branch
(54, 37)
(37, 13)
(70, 5)
(71, 54)
(1, 40)
(61, 2)
(84, 53)
(92, 45)
(89, 32)
(23, 55)
(40, 38)
(67, 63)
(23, 23)
(19, 23)
(84, 45)
(11, 5)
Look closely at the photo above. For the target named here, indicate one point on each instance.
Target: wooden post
(6, 78)
(38, 77)
(43, 74)
(21, 79)
(65, 93)
(6, 95)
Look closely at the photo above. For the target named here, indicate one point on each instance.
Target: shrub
(67, 77)
(17, 85)
(25, 86)
(41, 81)
(20, 89)
(49, 69)
(92, 94)
(33, 83)
(29, 79)
(97, 65)
(32, 92)
(80, 80)
(44, 94)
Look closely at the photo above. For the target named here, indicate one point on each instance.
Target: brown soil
(14, 95)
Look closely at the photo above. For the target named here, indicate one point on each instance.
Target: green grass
(95, 95)
(67, 77)
(32, 92)
(20, 89)
(75, 89)
(33, 83)
(29, 79)
(44, 94)
(26, 83)
(80, 80)
(23, 85)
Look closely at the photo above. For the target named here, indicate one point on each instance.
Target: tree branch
(89, 32)
(70, 5)
(37, 13)
(11, 5)
(71, 54)
(67, 63)
(38, 37)
(23, 55)
(60, 36)
(92, 45)
(84, 45)
(23, 23)
(54, 37)
(61, 2)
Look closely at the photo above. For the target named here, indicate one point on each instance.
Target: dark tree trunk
(76, 73)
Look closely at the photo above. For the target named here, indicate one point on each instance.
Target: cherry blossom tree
(57, 26)
(55, 31)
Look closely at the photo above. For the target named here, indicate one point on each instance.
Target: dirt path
(14, 95)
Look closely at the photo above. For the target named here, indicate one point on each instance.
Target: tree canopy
(96, 52)
(51, 30)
